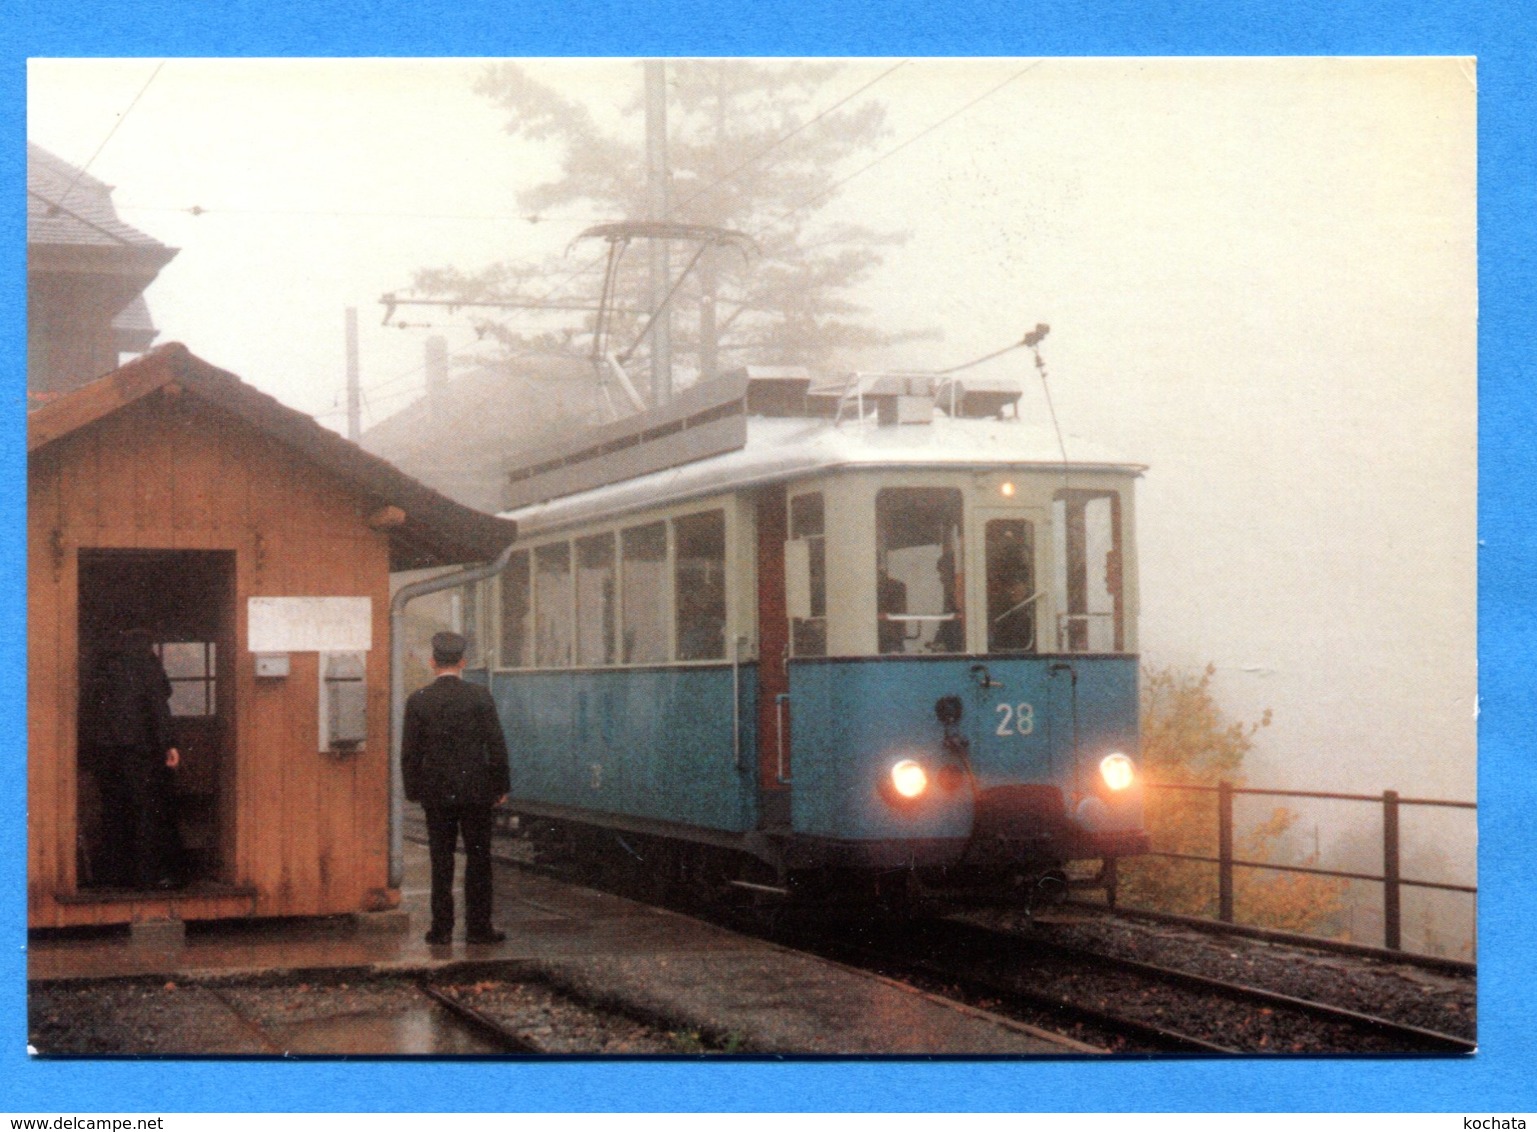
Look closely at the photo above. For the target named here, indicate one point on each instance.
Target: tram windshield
(1011, 594)
(1087, 539)
(919, 570)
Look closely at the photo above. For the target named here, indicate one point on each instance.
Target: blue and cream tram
(877, 635)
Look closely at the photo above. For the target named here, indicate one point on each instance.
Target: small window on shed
(644, 594)
(516, 614)
(190, 666)
(699, 590)
(595, 600)
(552, 606)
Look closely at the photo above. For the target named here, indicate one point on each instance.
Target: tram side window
(552, 606)
(919, 570)
(1087, 526)
(1011, 592)
(699, 589)
(808, 635)
(516, 613)
(595, 600)
(643, 593)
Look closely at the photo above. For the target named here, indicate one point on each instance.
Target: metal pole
(354, 388)
(1225, 852)
(709, 270)
(709, 285)
(1392, 913)
(657, 207)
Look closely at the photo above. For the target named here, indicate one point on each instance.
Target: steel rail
(1416, 1039)
(1006, 990)
(865, 957)
(1003, 990)
(1417, 1036)
(487, 1027)
(1439, 963)
(1438, 1041)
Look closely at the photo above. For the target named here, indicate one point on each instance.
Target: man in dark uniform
(129, 732)
(454, 761)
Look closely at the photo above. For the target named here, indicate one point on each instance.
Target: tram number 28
(1015, 719)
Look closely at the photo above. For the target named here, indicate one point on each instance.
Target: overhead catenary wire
(731, 174)
(121, 118)
(835, 186)
(1051, 410)
(863, 169)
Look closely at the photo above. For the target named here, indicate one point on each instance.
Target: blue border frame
(1500, 1079)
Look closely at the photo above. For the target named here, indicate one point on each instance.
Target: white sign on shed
(310, 624)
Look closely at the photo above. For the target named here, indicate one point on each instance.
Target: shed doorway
(185, 600)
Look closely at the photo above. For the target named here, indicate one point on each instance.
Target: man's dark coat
(126, 703)
(452, 750)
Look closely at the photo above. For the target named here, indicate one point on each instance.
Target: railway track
(483, 1034)
(1123, 1004)
(505, 1039)
(1455, 967)
(1134, 1006)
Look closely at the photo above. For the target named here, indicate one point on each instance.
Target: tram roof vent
(894, 398)
(773, 391)
(707, 419)
(977, 396)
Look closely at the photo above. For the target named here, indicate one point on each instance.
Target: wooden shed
(256, 546)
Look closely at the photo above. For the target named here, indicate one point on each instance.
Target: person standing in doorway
(454, 761)
(129, 730)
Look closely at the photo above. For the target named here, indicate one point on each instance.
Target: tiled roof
(68, 206)
(433, 529)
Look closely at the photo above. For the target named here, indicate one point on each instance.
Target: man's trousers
(445, 824)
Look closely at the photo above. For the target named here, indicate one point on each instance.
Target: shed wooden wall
(172, 472)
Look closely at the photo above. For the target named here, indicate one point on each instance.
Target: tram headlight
(1118, 771)
(908, 779)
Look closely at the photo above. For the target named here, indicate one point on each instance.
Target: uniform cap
(448, 648)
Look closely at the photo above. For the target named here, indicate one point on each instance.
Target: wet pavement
(739, 993)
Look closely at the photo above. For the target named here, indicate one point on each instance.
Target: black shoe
(438, 937)
(487, 935)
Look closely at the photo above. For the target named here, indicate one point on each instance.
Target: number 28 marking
(1015, 719)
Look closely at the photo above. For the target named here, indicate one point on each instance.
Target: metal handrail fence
(1391, 878)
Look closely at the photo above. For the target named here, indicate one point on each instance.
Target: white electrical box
(271, 665)
(343, 701)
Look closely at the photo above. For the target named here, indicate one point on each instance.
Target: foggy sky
(1259, 274)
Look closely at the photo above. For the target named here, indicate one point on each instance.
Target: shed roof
(435, 531)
